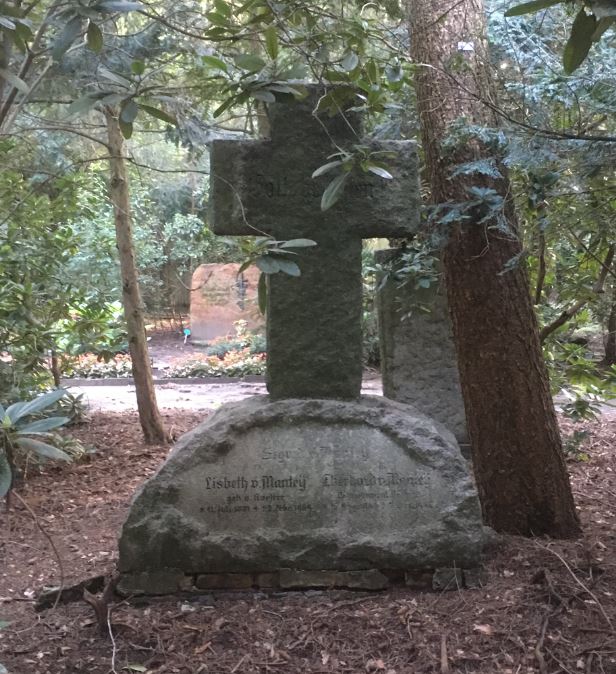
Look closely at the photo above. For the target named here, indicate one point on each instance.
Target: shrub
(90, 366)
(24, 438)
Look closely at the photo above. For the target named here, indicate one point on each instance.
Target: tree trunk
(149, 416)
(610, 340)
(517, 454)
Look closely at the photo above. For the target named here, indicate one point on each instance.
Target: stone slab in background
(306, 484)
(418, 360)
(220, 299)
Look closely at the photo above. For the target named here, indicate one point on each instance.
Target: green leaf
(530, 7)
(114, 77)
(263, 95)
(3, 625)
(126, 128)
(580, 41)
(325, 168)
(216, 63)
(36, 405)
(267, 264)
(333, 191)
(44, 425)
(129, 111)
(82, 104)
(271, 42)
(5, 22)
(66, 38)
(249, 62)
(159, 114)
(14, 81)
(289, 267)
(262, 293)
(6, 477)
(42, 449)
(223, 8)
(298, 243)
(137, 67)
(119, 6)
(350, 61)
(380, 171)
(94, 37)
(225, 106)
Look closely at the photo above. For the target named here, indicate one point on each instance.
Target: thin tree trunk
(576, 307)
(149, 416)
(517, 454)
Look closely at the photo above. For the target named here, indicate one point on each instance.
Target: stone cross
(314, 333)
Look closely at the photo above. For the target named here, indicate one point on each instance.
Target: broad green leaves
(530, 7)
(16, 432)
(270, 257)
(580, 41)
(359, 158)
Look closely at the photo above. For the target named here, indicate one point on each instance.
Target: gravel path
(206, 396)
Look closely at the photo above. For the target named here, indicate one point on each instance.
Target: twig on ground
(51, 543)
(444, 657)
(101, 605)
(589, 592)
(114, 649)
(543, 668)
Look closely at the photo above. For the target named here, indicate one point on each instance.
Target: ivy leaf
(580, 41)
(94, 37)
(333, 191)
(531, 7)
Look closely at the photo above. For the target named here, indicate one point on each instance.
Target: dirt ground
(545, 606)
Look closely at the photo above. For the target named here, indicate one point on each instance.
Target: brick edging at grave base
(170, 582)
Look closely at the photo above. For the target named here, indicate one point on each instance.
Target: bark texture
(149, 416)
(517, 455)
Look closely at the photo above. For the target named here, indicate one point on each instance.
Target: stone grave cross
(265, 187)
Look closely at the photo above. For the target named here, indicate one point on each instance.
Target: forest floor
(546, 606)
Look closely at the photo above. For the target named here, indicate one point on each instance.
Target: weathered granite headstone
(220, 298)
(313, 485)
(418, 358)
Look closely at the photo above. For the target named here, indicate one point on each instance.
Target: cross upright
(314, 333)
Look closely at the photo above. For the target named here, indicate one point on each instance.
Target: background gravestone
(418, 359)
(312, 485)
(220, 298)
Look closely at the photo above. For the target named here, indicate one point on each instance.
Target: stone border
(171, 581)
